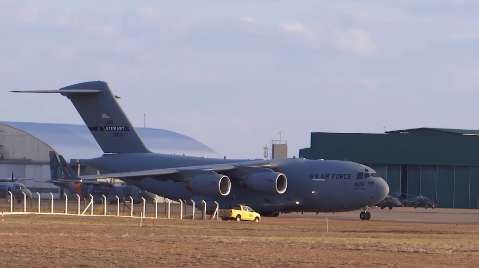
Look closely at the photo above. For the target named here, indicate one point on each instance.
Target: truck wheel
(238, 218)
(256, 219)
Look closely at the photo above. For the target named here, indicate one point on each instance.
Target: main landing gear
(365, 215)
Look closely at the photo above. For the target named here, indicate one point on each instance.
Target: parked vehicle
(240, 213)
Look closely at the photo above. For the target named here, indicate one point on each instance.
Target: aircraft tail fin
(59, 168)
(102, 115)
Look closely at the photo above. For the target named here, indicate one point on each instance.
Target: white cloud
(103, 31)
(64, 53)
(247, 19)
(28, 14)
(296, 28)
(149, 14)
(356, 41)
(368, 84)
(302, 33)
(468, 36)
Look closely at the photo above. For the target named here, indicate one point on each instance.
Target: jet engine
(210, 184)
(267, 181)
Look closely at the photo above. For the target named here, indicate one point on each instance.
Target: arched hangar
(24, 148)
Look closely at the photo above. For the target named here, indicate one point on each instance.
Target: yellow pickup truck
(240, 213)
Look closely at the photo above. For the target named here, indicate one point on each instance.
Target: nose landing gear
(365, 215)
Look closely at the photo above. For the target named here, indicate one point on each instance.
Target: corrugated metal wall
(25, 171)
(450, 186)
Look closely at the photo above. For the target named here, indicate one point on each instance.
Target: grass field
(293, 240)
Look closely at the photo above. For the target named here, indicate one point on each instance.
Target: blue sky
(233, 73)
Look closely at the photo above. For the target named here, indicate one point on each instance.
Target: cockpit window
(360, 176)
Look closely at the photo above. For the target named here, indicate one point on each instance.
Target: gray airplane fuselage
(313, 185)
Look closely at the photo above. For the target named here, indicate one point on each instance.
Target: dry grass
(286, 241)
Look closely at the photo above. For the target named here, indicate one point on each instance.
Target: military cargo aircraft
(389, 202)
(417, 201)
(269, 186)
(15, 187)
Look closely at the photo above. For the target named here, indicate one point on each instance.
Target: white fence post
(89, 206)
(92, 202)
(204, 209)
(66, 203)
(79, 204)
(193, 210)
(11, 201)
(156, 208)
(24, 202)
(39, 205)
(104, 204)
(181, 209)
(217, 211)
(51, 203)
(144, 207)
(169, 209)
(117, 206)
(131, 206)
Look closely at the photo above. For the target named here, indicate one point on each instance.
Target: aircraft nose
(382, 188)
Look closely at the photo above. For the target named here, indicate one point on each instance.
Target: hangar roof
(427, 130)
(419, 146)
(75, 141)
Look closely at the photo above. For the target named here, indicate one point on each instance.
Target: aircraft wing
(70, 180)
(159, 173)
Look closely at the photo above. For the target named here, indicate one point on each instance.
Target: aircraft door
(316, 181)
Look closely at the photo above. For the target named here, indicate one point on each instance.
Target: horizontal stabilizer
(70, 91)
(102, 115)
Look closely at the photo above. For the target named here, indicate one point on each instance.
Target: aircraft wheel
(365, 215)
(256, 219)
(238, 218)
(362, 215)
(368, 215)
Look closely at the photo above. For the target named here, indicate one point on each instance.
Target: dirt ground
(292, 240)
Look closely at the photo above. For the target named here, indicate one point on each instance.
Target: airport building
(24, 148)
(442, 164)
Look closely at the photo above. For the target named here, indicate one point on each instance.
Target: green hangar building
(442, 164)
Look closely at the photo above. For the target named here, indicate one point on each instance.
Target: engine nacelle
(210, 184)
(266, 181)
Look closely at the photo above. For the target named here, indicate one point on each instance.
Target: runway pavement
(420, 215)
